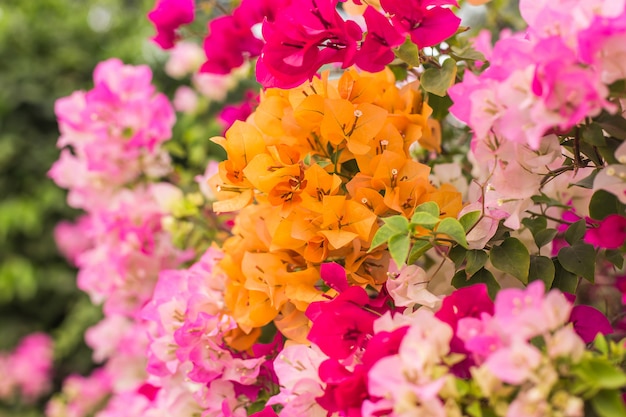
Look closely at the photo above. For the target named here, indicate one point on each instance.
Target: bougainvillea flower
(305, 36)
(466, 302)
(345, 390)
(610, 233)
(375, 51)
(228, 42)
(424, 20)
(167, 16)
(341, 325)
(588, 322)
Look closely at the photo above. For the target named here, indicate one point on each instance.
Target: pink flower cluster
(548, 81)
(111, 135)
(120, 245)
(188, 344)
(299, 36)
(399, 363)
(26, 372)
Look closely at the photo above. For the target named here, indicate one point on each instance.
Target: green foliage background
(48, 48)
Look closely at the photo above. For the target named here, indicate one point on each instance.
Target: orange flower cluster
(312, 171)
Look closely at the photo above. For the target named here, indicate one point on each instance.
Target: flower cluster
(409, 363)
(545, 83)
(312, 171)
(27, 370)
(300, 36)
(111, 135)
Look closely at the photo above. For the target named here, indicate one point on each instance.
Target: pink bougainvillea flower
(334, 276)
(465, 302)
(167, 16)
(426, 21)
(610, 233)
(345, 390)
(229, 42)
(231, 113)
(588, 322)
(375, 51)
(342, 325)
(305, 36)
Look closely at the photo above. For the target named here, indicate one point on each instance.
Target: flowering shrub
(308, 276)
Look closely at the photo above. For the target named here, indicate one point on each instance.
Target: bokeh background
(48, 48)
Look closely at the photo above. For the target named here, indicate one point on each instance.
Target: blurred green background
(48, 48)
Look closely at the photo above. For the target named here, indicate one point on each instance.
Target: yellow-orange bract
(312, 172)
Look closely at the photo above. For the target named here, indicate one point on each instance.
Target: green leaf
(615, 125)
(399, 248)
(457, 255)
(429, 207)
(600, 344)
(417, 250)
(616, 257)
(437, 81)
(603, 204)
(608, 403)
(543, 237)
(397, 223)
(483, 276)
(399, 71)
(476, 259)
(563, 279)
(579, 259)
(440, 106)
(424, 219)
(593, 135)
(512, 257)
(541, 268)
(382, 235)
(536, 224)
(452, 228)
(587, 182)
(467, 52)
(600, 373)
(468, 220)
(474, 409)
(408, 52)
(576, 231)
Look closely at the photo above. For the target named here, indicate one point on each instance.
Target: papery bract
(167, 16)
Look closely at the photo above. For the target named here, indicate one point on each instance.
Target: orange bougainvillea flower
(311, 174)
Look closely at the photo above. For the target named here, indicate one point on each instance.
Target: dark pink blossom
(305, 36)
(167, 16)
(342, 325)
(424, 20)
(472, 301)
(231, 113)
(610, 233)
(375, 51)
(345, 390)
(228, 44)
(588, 322)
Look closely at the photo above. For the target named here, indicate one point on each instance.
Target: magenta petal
(588, 322)
(436, 26)
(334, 275)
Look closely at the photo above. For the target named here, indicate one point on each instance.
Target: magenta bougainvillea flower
(610, 233)
(167, 16)
(467, 302)
(342, 325)
(305, 36)
(229, 42)
(375, 51)
(426, 21)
